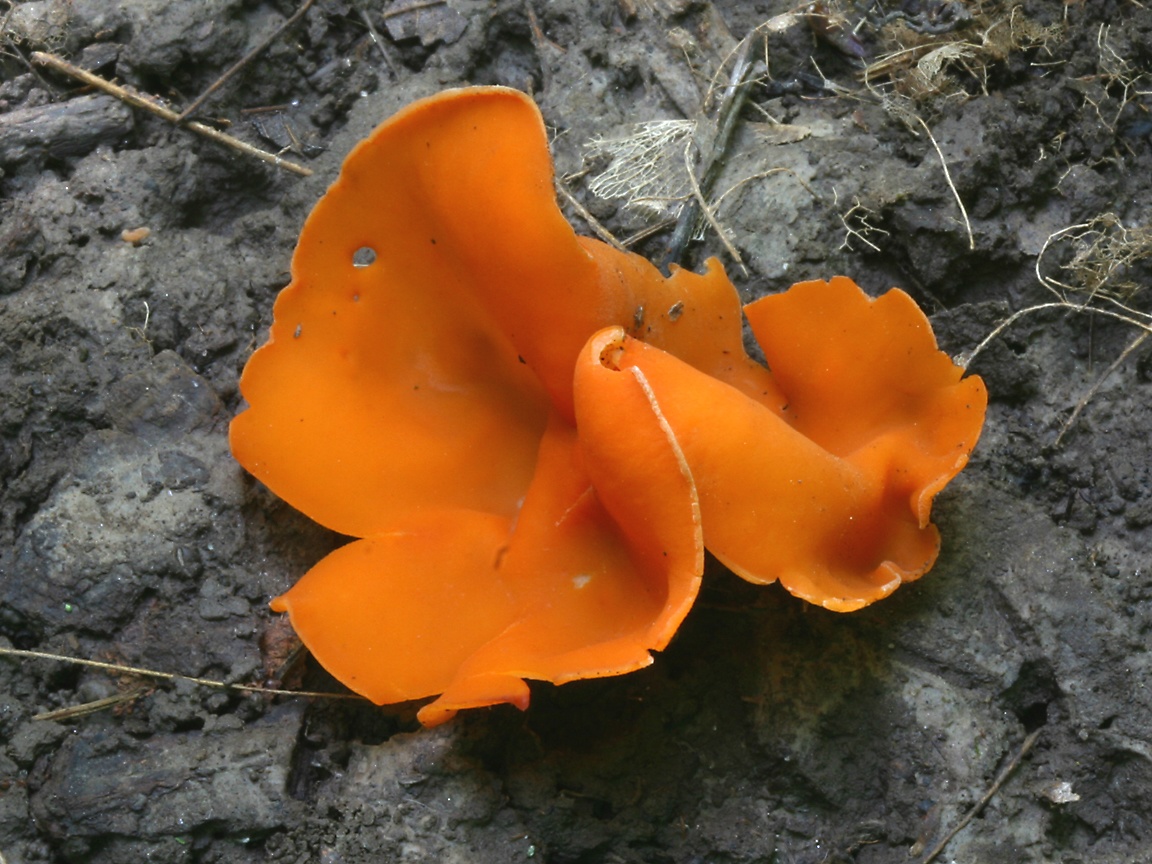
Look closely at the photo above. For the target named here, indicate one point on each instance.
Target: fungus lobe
(531, 466)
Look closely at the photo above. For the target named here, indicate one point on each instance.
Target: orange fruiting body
(532, 469)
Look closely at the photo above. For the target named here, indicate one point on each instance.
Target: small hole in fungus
(365, 256)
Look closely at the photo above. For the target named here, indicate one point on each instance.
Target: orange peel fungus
(533, 466)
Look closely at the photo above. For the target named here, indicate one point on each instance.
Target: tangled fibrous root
(1099, 277)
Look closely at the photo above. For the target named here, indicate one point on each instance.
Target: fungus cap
(533, 467)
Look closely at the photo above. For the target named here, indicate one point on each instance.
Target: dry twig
(703, 208)
(593, 223)
(91, 707)
(136, 100)
(979, 805)
(378, 41)
(411, 7)
(244, 61)
(167, 676)
(735, 95)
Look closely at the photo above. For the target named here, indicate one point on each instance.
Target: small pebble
(135, 236)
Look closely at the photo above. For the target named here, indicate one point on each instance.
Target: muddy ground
(769, 731)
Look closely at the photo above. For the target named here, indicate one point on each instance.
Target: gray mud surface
(769, 731)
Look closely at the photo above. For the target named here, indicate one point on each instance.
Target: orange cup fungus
(533, 466)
